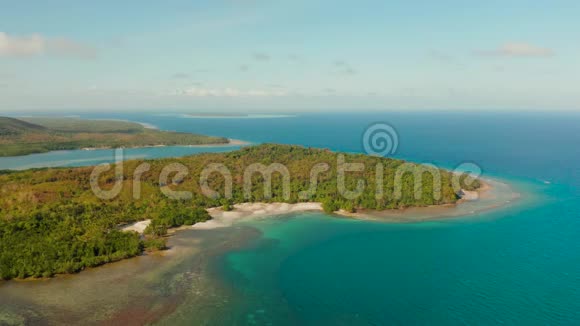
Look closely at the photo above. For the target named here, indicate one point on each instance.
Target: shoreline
(482, 199)
(143, 124)
(251, 211)
(200, 252)
(231, 142)
(240, 116)
(246, 212)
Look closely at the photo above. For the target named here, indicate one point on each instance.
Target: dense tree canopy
(39, 135)
(51, 221)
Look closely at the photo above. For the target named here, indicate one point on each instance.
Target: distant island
(51, 222)
(218, 114)
(25, 136)
(236, 116)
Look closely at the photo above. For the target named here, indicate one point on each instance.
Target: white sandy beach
(138, 227)
(221, 218)
(248, 211)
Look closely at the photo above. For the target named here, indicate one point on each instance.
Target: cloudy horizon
(300, 56)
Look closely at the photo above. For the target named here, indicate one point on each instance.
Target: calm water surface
(516, 265)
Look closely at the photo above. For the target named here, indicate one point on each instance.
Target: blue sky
(244, 55)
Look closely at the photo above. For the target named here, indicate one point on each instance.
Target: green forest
(51, 222)
(39, 135)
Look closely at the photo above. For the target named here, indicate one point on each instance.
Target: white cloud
(261, 56)
(226, 92)
(21, 46)
(342, 67)
(519, 49)
(36, 44)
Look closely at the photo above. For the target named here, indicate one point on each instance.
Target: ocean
(518, 264)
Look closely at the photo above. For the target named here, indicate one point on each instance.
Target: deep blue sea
(516, 265)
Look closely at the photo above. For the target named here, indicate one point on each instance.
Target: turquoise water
(94, 157)
(517, 265)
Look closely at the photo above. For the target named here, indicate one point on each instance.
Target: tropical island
(51, 221)
(222, 115)
(39, 135)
